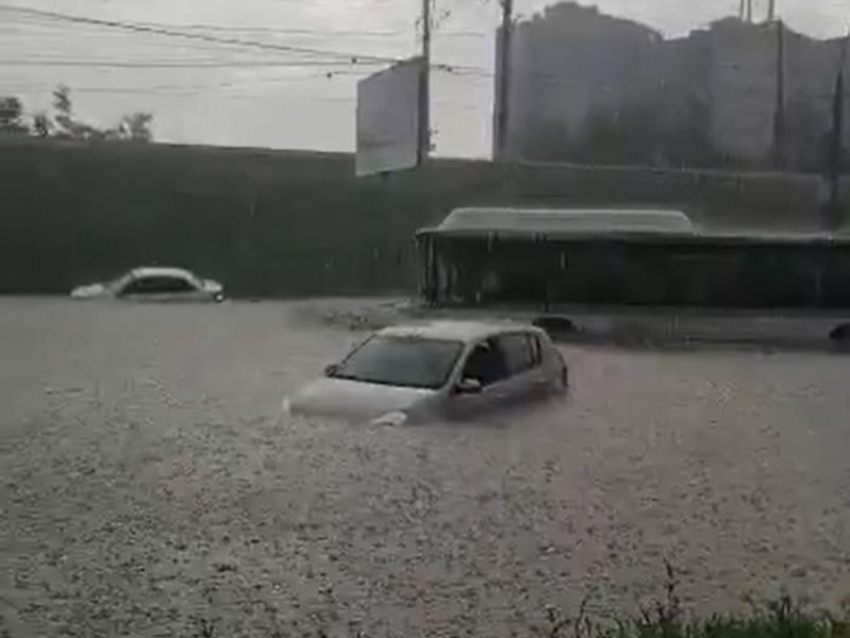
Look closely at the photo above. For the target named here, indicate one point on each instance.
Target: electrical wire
(303, 31)
(174, 33)
(352, 58)
(97, 64)
(272, 31)
(178, 91)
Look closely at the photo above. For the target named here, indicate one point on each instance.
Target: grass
(784, 617)
(781, 618)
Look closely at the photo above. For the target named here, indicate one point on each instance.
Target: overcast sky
(258, 102)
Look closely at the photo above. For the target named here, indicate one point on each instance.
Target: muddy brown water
(149, 485)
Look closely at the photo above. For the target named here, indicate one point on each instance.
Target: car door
(161, 288)
(484, 364)
(526, 378)
(181, 289)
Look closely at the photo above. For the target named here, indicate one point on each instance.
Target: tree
(65, 123)
(135, 127)
(11, 116)
(42, 125)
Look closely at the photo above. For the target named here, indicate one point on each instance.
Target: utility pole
(779, 155)
(425, 85)
(503, 83)
(836, 144)
(750, 11)
(771, 11)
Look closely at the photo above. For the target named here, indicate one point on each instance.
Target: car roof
(466, 331)
(158, 271)
(564, 222)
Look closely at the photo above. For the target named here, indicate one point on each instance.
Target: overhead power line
(303, 31)
(339, 56)
(108, 64)
(172, 91)
(203, 37)
(170, 32)
(269, 31)
(275, 30)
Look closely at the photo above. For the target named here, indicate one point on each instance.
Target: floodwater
(149, 485)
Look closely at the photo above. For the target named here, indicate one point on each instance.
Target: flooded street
(149, 485)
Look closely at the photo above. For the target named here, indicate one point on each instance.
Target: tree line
(63, 122)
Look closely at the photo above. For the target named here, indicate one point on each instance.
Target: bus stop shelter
(545, 257)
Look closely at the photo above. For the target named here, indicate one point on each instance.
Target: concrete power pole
(835, 161)
(779, 151)
(771, 11)
(749, 17)
(503, 84)
(425, 85)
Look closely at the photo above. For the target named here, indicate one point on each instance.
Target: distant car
(441, 370)
(154, 284)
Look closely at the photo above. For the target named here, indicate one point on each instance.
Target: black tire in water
(841, 335)
(556, 327)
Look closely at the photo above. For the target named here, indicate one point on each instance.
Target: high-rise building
(584, 84)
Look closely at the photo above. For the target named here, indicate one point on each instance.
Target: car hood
(92, 291)
(356, 400)
(210, 285)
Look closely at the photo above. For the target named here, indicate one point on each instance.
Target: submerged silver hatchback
(439, 370)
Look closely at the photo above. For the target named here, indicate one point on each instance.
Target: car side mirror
(332, 370)
(469, 386)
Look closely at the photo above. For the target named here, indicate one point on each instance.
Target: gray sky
(262, 103)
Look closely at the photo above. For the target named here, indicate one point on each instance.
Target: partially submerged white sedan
(440, 370)
(154, 284)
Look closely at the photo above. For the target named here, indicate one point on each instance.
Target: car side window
(158, 286)
(521, 352)
(486, 364)
(536, 349)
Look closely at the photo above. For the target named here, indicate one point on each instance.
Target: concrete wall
(286, 223)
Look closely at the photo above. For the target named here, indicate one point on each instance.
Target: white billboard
(390, 119)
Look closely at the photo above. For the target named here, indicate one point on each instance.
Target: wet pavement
(149, 485)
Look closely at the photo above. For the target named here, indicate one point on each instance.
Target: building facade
(589, 87)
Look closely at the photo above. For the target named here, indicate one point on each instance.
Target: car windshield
(402, 362)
